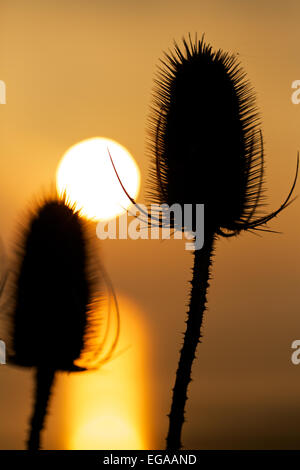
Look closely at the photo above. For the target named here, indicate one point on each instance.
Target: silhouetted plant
(206, 148)
(56, 294)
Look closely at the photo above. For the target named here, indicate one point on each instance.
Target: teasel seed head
(54, 299)
(56, 290)
(205, 143)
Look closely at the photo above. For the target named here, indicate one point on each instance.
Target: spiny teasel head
(54, 302)
(205, 142)
(56, 291)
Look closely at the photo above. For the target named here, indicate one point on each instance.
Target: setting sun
(86, 174)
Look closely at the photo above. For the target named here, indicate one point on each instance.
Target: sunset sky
(78, 69)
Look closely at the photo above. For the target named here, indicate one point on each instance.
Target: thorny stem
(201, 274)
(43, 383)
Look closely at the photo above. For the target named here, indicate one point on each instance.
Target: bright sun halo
(85, 173)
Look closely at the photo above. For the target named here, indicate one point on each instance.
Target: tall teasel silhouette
(56, 294)
(206, 147)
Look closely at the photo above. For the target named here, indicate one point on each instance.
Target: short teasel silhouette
(56, 296)
(206, 148)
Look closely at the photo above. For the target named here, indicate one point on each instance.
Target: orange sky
(77, 69)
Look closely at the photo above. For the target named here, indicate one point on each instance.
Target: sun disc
(86, 175)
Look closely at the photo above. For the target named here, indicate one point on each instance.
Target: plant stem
(201, 274)
(43, 381)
